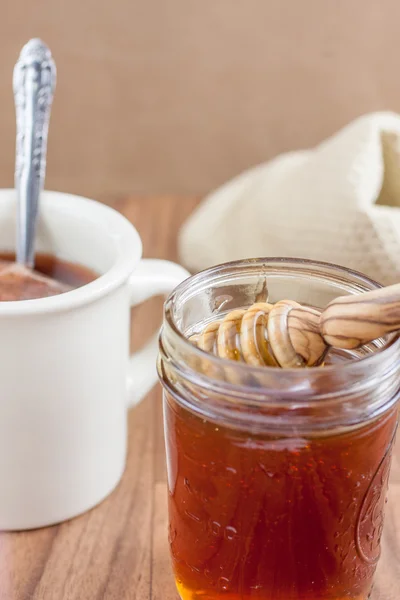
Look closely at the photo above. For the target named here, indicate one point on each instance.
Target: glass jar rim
(303, 400)
(369, 361)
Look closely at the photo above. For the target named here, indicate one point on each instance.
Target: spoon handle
(33, 82)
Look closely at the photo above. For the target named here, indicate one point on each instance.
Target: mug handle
(152, 277)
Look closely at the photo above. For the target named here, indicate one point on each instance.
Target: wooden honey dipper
(288, 334)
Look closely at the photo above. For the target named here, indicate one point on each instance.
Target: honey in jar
(277, 478)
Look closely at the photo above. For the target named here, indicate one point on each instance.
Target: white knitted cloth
(339, 202)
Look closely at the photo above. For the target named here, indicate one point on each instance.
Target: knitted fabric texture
(338, 202)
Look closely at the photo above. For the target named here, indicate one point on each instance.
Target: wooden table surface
(118, 550)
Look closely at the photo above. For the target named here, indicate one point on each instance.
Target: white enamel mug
(66, 378)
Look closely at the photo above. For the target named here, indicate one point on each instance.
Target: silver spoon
(34, 83)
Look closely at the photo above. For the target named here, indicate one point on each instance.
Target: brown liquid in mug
(18, 283)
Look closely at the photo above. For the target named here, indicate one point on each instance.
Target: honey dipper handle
(351, 321)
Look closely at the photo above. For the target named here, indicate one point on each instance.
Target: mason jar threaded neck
(304, 401)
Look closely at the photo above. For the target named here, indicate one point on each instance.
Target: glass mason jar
(277, 478)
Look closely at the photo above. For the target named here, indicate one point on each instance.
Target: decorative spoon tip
(35, 46)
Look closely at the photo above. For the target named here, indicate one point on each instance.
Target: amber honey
(277, 478)
(275, 518)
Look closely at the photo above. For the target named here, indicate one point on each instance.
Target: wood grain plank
(23, 558)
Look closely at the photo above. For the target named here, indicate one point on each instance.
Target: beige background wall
(179, 95)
